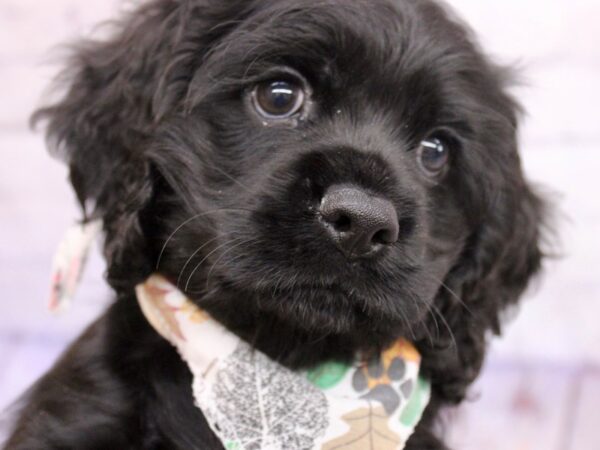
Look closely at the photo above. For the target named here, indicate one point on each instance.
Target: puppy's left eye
(433, 155)
(278, 99)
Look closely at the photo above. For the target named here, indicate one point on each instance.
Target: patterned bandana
(253, 403)
(69, 263)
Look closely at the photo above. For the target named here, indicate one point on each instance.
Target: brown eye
(278, 99)
(433, 155)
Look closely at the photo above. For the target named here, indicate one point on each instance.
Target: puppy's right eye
(278, 99)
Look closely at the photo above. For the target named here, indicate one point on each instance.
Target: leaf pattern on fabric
(369, 430)
(262, 406)
(253, 403)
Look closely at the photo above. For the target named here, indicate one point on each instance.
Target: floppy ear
(117, 92)
(499, 260)
(505, 252)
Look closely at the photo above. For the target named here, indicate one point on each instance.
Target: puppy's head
(338, 168)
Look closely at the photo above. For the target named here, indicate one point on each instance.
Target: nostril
(384, 237)
(343, 223)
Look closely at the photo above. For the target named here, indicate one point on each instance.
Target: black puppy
(322, 176)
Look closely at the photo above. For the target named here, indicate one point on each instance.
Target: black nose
(360, 224)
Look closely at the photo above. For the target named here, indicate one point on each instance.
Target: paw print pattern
(384, 380)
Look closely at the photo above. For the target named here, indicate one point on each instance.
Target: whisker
(428, 331)
(437, 325)
(185, 222)
(437, 311)
(226, 175)
(205, 258)
(415, 300)
(221, 257)
(406, 322)
(451, 292)
(445, 286)
(457, 298)
(195, 253)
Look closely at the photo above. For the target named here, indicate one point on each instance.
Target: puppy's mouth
(330, 308)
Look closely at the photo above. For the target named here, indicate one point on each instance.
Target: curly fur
(162, 146)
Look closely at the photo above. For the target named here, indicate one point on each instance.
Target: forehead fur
(383, 33)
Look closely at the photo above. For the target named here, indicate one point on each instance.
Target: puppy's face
(306, 169)
(320, 171)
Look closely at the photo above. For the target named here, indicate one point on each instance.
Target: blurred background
(540, 389)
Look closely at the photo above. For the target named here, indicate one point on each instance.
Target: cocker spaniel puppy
(321, 177)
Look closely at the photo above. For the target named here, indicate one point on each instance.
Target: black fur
(164, 147)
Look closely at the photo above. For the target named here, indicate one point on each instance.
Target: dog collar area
(252, 402)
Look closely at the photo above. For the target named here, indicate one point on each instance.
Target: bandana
(251, 402)
(69, 262)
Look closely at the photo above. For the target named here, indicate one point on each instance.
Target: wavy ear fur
(118, 92)
(104, 121)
